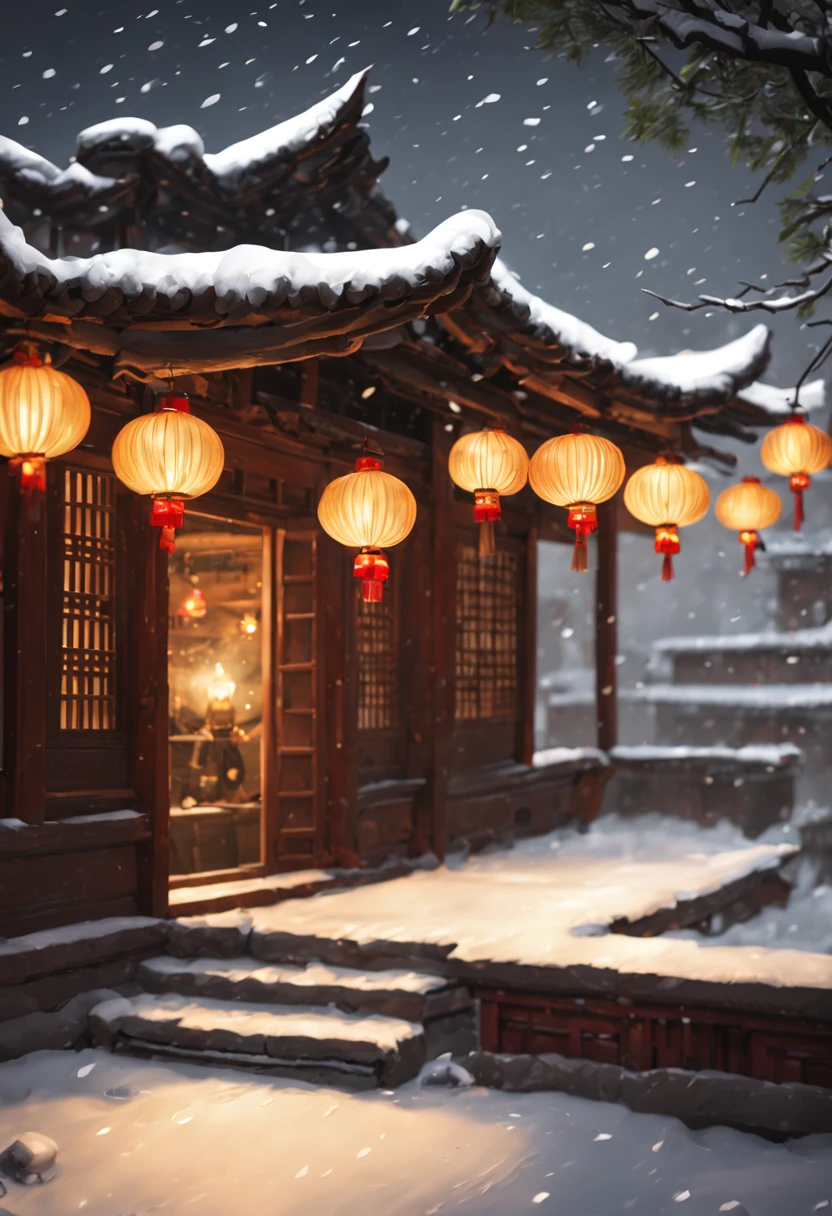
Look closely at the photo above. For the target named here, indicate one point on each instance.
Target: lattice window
(376, 663)
(88, 644)
(486, 636)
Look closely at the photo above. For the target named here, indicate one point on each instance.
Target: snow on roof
(555, 326)
(180, 142)
(720, 372)
(769, 639)
(229, 165)
(16, 159)
(723, 373)
(774, 400)
(247, 272)
(739, 696)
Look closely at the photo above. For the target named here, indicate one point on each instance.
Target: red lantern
(171, 455)
(371, 511)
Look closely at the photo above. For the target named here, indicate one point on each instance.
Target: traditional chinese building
(235, 710)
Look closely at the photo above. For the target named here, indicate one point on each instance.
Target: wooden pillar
(26, 689)
(150, 658)
(527, 648)
(271, 615)
(606, 626)
(336, 603)
(443, 623)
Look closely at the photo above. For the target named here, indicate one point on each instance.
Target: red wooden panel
(643, 1037)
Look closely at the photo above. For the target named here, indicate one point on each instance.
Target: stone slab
(409, 995)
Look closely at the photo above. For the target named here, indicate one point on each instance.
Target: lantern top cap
(795, 417)
(751, 481)
(173, 403)
(367, 462)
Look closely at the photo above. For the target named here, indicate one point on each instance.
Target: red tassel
(487, 511)
(167, 514)
(31, 471)
(667, 542)
(797, 484)
(751, 540)
(584, 519)
(373, 568)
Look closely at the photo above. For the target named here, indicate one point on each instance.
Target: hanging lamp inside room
(488, 464)
(577, 471)
(747, 508)
(668, 496)
(796, 450)
(172, 456)
(371, 511)
(44, 414)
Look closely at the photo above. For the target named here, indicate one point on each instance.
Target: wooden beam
(26, 647)
(606, 626)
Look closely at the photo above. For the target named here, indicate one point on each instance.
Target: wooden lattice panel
(486, 636)
(376, 643)
(88, 643)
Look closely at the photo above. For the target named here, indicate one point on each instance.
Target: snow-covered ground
(139, 1137)
(804, 924)
(547, 903)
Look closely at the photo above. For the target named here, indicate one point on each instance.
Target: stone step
(322, 1045)
(410, 995)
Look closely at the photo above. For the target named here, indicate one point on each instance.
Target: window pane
(486, 636)
(215, 676)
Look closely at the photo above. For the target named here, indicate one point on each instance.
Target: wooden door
(297, 833)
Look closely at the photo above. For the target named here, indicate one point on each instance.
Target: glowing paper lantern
(43, 414)
(796, 450)
(172, 456)
(745, 509)
(193, 606)
(488, 464)
(248, 624)
(667, 496)
(577, 471)
(370, 511)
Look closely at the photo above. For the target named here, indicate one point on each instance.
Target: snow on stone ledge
(769, 639)
(739, 696)
(80, 931)
(568, 755)
(253, 272)
(752, 753)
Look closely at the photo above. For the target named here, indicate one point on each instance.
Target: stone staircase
(224, 994)
(750, 689)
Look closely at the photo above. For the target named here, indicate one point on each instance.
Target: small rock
(443, 1071)
(121, 1092)
(30, 1159)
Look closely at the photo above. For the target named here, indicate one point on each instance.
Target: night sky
(451, 100)
(579, 207)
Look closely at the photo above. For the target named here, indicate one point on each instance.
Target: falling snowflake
(210, 101)
(651, 253)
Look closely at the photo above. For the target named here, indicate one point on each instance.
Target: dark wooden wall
(95, 803)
